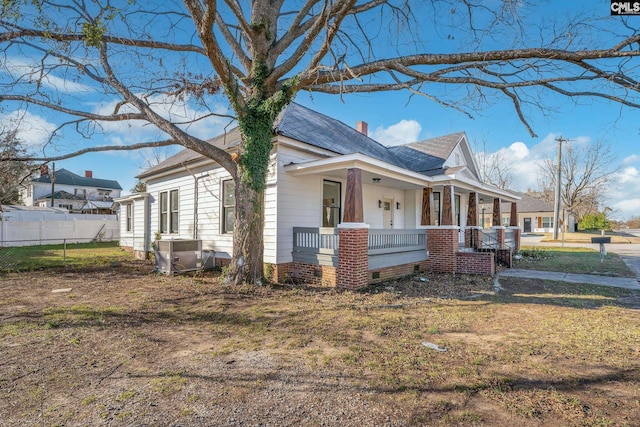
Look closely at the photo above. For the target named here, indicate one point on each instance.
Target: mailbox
(601, 240)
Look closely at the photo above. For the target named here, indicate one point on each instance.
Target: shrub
(597, 221)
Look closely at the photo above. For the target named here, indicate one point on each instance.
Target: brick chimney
(362, 127)
(88, 174)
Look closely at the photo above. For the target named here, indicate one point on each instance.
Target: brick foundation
(321, 275)
(483, 263)
(397, 271)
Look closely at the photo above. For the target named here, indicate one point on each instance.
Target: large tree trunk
(248, 245)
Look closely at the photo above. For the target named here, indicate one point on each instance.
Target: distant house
(72, 192)
(324, 177)
(534, 215)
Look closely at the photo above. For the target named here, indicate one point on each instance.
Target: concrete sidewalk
(592, 279)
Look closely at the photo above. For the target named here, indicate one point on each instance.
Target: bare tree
(259, 54)
(495, 169)
(585, 174)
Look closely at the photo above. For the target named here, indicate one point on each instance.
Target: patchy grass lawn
(571, 260)
(27, 258)
(128, 347)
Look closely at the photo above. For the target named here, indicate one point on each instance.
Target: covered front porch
(391, 222)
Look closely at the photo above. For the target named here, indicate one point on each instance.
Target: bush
(596, 221)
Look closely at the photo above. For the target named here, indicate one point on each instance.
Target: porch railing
(319, 246)
(392, 241)
(489, 239)
(509, 238)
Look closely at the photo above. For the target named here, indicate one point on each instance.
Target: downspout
(146, 220)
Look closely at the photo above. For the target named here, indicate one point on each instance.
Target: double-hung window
(228, 205)
(169, 212)
(130, 217)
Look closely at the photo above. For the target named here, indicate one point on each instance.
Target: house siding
(201, 186)
(298, 202)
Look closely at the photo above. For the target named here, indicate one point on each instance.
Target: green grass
(571, 260)
(30, 258)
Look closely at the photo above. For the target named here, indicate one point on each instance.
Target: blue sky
(396, 117)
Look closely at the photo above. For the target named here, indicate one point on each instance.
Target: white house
(405, 191)
(70, 191)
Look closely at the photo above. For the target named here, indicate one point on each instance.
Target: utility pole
(556, 206)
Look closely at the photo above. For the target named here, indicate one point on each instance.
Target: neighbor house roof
(527, 203)
(62, 195)
(65, 177)
(303, 124)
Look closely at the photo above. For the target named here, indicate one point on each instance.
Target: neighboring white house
(71, 191)
(408, 187)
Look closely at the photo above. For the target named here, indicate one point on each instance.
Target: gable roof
(303, 124)
(65, 177)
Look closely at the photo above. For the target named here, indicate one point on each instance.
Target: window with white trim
(169, 212)
(130, 217)
(228, 205)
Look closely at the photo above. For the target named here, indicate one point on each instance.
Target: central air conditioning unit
(177, 256)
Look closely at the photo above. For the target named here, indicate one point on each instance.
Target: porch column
(447, 205)
(472, 212)
(427, 217)
(513, 220)
(442, 243)
(353, 211)
(497, 213)
(353, 256)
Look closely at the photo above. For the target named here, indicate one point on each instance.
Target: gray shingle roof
(309, 126)
(304, 124)
(528, 203)
(65, 177)
(439, 147)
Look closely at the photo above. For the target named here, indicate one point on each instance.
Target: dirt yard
(124, 346)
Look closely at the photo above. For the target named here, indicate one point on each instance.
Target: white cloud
(629, 160)
(122, 133)
(33, 130)
(403, 132)
(623, 196)
(29, 72)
